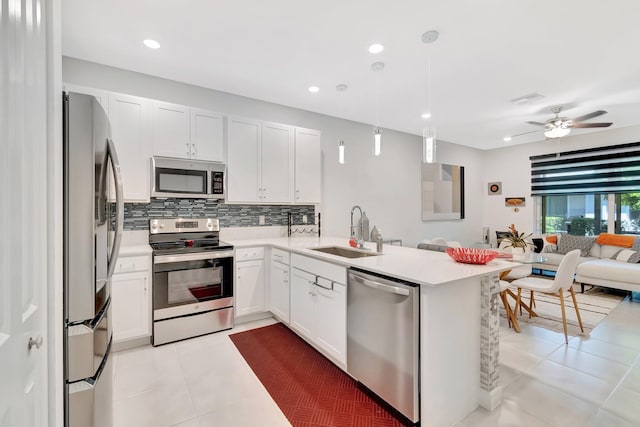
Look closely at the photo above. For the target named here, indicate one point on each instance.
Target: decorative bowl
(471, 255)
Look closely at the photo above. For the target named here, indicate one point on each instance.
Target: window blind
(613, 169)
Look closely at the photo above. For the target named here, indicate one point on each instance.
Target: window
(580, 214)
(627, 213)
(586, 192)
(588, 214)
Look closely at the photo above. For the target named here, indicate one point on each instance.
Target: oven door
(191, 283)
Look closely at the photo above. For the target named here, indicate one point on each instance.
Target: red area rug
(308, 388)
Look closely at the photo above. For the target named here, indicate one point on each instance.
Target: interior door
(23, 213)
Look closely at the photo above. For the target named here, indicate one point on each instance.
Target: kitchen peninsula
(458, 357)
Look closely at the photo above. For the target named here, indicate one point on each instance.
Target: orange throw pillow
(552, 239)
(616, 240)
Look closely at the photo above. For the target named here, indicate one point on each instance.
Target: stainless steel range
(192, 279)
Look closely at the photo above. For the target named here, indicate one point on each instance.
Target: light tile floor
(202, 382)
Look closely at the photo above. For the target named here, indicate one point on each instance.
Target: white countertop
(414, 265)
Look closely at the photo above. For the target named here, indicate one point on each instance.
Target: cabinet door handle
(145, 284)
(194, 150)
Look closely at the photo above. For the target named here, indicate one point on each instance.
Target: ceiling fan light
(557, 132)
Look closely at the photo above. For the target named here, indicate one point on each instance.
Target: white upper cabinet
(187, 133)
(207, 135)
(277, 160)
(259, 161)
(130, 118)
(307, 166)
(171, 136)
(243, 142)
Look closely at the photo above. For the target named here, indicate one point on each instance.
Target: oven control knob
(161, 226)
(154, 226)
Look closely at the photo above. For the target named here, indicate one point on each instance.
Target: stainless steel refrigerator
(92, 238)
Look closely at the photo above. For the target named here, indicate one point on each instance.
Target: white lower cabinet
(279, 285)
(332, 320)
(249, 294)
(319, 305)
(131, 299)
(304, 310)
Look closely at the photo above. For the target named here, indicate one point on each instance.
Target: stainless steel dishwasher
(383, 322)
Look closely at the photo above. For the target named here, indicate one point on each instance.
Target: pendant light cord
(377, 101)
(429, 85)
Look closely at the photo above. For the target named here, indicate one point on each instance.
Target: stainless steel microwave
(184, 178)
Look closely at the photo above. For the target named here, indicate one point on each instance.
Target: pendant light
(428, 145)
(377, 134)
(429, 132)
(341, 89)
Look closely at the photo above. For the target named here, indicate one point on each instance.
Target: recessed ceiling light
(152, 44)
(426, 115)
(507, 138)
(376, 48)
(314, 89)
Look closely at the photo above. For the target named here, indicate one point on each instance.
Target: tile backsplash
(137, 215)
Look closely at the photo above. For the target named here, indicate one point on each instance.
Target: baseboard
(132, 343)
(491, 399)
(251, 317)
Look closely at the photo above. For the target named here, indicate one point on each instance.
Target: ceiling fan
(557, 127)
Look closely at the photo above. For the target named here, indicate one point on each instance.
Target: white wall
(387, 187)
(511, 166)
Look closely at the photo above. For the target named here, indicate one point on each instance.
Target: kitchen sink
(345, 252)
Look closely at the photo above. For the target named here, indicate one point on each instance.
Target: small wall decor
(513, 202)
(495, 188)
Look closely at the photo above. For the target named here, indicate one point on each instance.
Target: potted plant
(517, 240)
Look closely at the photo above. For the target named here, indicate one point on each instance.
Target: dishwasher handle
(381, 286)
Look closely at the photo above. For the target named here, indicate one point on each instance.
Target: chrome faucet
(359, 241)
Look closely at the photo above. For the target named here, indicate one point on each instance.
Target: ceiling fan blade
(526, 133)
(589, 116)
(537, 123)
(590, 125)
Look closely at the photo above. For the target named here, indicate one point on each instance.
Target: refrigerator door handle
(117, 176)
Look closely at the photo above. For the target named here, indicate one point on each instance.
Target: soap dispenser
(374, 234)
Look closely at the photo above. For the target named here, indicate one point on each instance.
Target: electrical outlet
(304, 219)
(261, 220)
